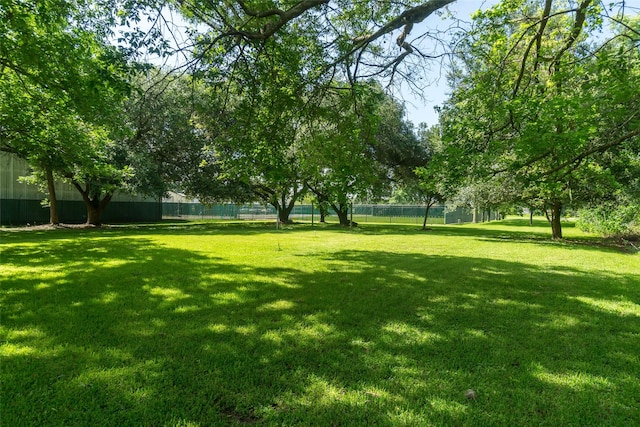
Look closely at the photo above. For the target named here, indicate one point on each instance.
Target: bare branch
(409, 17)
(537, 40)
(581, 15)
(269, 28)
(263, 14)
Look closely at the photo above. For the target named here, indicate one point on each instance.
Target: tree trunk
(530, 216)
(554, 220)
(323, 212)
(53, 200)
(284, 212)
(283, 216)
(343, 216)
(426, 216)
(323, 202)
(95, 206)
(488, 215)
(475, 214)
(342, 211)
(94, 215)
(284, 208)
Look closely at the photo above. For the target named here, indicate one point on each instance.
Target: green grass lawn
(231, 324)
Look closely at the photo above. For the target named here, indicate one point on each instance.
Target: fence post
(351, 219)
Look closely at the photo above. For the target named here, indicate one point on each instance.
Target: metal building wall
(20, 203)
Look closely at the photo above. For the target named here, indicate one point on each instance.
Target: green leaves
(542, 100)
(61, 94)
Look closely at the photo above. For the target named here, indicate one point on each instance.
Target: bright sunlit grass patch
(232, 324)
(576, 381)
(619, 308)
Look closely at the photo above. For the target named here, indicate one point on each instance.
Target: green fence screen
(361, 213)
(21, 212)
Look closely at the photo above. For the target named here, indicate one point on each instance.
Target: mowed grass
(241, 324)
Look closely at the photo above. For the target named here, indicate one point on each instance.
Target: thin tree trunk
(351, 215)
(475, 214)
(322, 202)
(53, 200)
(426, 216)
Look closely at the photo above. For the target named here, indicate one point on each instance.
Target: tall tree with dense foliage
(166, 147)
(340, 155)
(61, 89)
(539, 98)
(262, 115)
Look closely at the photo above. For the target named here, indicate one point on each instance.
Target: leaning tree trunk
(426, 216)
(286, 208)
(554, 219)
(53, 200)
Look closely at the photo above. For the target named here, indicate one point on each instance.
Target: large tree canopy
(333, 36)
(275, 97)
(540, 97)
(61, 89)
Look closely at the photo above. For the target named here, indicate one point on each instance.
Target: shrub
(611, 220)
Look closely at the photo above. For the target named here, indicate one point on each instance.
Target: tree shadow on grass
(515, 230)
(139, 334)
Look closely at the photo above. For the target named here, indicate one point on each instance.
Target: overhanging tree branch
(537, 41)
(581, 15)
(597, 149)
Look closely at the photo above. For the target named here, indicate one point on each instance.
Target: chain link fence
(369, 213)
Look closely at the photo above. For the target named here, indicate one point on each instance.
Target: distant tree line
(274, 101)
